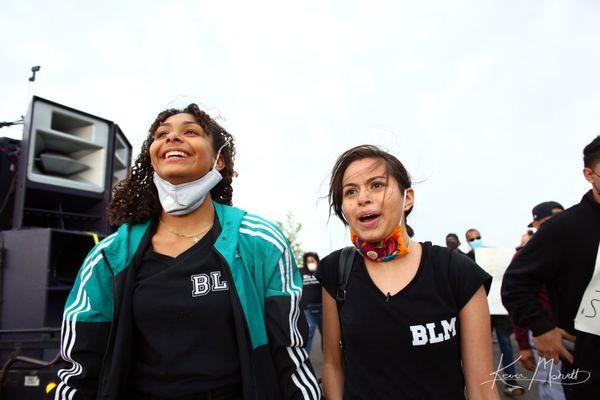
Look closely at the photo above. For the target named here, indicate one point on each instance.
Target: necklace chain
(194, 236)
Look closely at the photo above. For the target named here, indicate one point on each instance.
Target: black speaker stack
(55, 185)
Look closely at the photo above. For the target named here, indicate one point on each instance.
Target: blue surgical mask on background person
(476, 244)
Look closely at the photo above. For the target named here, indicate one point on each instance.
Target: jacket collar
(591, 201)
(121, 246)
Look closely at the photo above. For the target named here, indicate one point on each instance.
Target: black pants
(575, 389)
(231, 392)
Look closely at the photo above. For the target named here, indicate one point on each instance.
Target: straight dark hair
(591, 153)
(393, 166)
(310, 254)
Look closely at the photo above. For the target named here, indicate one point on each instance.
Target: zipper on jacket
(102, 379)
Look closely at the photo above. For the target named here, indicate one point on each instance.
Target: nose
(173, 136)
(364, 197)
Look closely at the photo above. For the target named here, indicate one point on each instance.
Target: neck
(398, 261)
(201, 217)
(596, 194)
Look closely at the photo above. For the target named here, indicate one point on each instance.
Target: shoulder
(327, 272)
(329, 262)
(252, 230)
(121, 245)
(463, 274)
(226, 212)
(111, 244)
(565, 223)
(443, 256)
(258, 231)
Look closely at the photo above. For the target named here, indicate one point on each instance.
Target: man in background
(474, 240)
(549, 388)
(453, 243)
(563, 257)
(543, 212)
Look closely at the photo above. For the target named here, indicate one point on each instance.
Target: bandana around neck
(385, 250)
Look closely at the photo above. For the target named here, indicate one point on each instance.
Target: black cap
(544, 210)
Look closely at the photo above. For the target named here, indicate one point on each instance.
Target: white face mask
(312, 267)
(184, 198)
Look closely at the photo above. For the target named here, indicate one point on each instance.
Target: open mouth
(368, 217)
(175, 154)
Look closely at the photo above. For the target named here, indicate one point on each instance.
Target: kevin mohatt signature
(554, 377)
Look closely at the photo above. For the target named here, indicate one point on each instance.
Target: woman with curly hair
(190, 298)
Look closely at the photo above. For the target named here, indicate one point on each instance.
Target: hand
(550, 345)
(527, 359)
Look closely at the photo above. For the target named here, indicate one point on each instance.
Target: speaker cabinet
(38, 271)
(122, 156)
(68, 163)
(30, 384)
(9, 157)
(67, 148)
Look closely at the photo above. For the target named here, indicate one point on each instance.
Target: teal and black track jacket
(270, 327)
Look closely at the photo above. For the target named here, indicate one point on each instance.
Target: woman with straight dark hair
(191, 298)
(414, 322)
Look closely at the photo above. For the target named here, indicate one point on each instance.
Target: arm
(525, 353)
(530, 270)
(333, 371)
(85, 330)
(535, 266)
(476, 347)
(287, 331)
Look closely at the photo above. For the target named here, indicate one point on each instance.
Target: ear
(588, 174)
(410, 199)
(220, 163)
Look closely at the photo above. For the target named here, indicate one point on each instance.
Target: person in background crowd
(563, 257)
(311, 297)
(543, 212)
(474, 240)
(549, 387)
(414, 322)
(502, 325)
(453, 243)
(524, 239)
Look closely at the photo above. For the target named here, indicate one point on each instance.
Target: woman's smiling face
(181, 151)
(372, 199)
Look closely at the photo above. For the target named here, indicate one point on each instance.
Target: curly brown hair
(135, 199)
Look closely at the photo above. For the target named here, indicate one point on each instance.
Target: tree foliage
(290, 229)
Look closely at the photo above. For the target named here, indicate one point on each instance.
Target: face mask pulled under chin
(184, 198)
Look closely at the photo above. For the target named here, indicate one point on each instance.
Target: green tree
(290, 229)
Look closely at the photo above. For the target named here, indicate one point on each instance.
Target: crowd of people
(192, 298)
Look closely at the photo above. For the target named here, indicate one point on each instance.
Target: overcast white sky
(487, 103)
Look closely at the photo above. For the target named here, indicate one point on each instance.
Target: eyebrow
(368, 180)
(168, 124)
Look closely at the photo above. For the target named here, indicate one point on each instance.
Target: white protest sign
(588, 316)
(494, 261)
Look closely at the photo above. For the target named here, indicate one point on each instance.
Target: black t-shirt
(407, 346)
(184, 335)
(311, 288)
